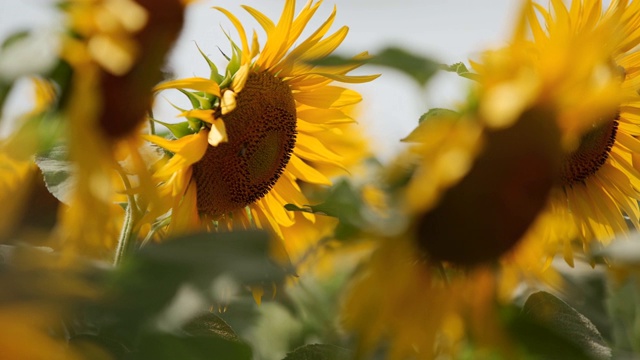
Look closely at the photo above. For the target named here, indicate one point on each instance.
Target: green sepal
(214, 74)
(178, 130)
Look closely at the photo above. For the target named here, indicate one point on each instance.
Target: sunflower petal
(194, 83)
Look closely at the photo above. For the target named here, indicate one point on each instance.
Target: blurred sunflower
(598, 185)
(112, 53)
(273, 120)
(481, 180)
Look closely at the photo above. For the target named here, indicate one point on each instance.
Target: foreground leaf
(171, 347)
(58, 172)
(319, 352)
(417, 67)
(557, 331)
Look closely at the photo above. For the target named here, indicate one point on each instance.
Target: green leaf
(87, 343)
(141, 288)
(439, 113)
(319, 352)
(435, 114)
(5, 89)
(243, 254)
(624, 312)
(460, 69)
(343, 202)
(14, 38)
(418, 67)
(558, 331)
(160, 346)
(209, 324)
(62, 75)
(58, 172)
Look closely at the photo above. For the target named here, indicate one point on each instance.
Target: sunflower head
(566, 68)
(258, 130)
(261, 134)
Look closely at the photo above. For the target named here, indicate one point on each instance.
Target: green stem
(125, 236)
(152, 123)
(126, 241)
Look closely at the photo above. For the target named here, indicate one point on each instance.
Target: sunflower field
(244, 211)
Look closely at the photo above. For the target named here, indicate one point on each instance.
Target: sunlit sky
(447, 30)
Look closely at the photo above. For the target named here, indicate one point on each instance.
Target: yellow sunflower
(115, 50)
(481, 183)
(255, 134)
(598, 187)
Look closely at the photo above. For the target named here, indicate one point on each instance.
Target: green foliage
(460, 69)
(435, 113)
(419, 68)
(344, 202)
(58, 172)
(123, 320)
(551, 329)
(161, 346)
(319, 352)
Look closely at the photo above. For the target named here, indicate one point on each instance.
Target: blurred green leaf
(438, 113)
(142, 287)
(343, 202)
(319, 352)
(58, 172)
(460, 69)
(159, 346)
(623, 305)
(435, 114)
(210, 324)
(585, 289)
(418, 67)
(5, 89)
(555, 330)
(85, 342)
(244, 254)
(62, 74)
(14, 38)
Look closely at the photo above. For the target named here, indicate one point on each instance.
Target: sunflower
(112, 53)
(478, 198)
(254, 135)
(597, 191)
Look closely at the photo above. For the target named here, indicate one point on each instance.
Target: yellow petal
(228, 102)
(240, 78)
(243, 36)
(304, 172)
(218, 133)
(194, 83)
(204, 115)
(329, 97)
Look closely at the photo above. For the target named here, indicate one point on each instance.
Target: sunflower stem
(152, 124)
(125, 245)
(125, 236)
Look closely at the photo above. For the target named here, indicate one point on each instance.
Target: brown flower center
(591, 154)
(262, 135)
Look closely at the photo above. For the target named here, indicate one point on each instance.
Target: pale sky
(447, 30)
